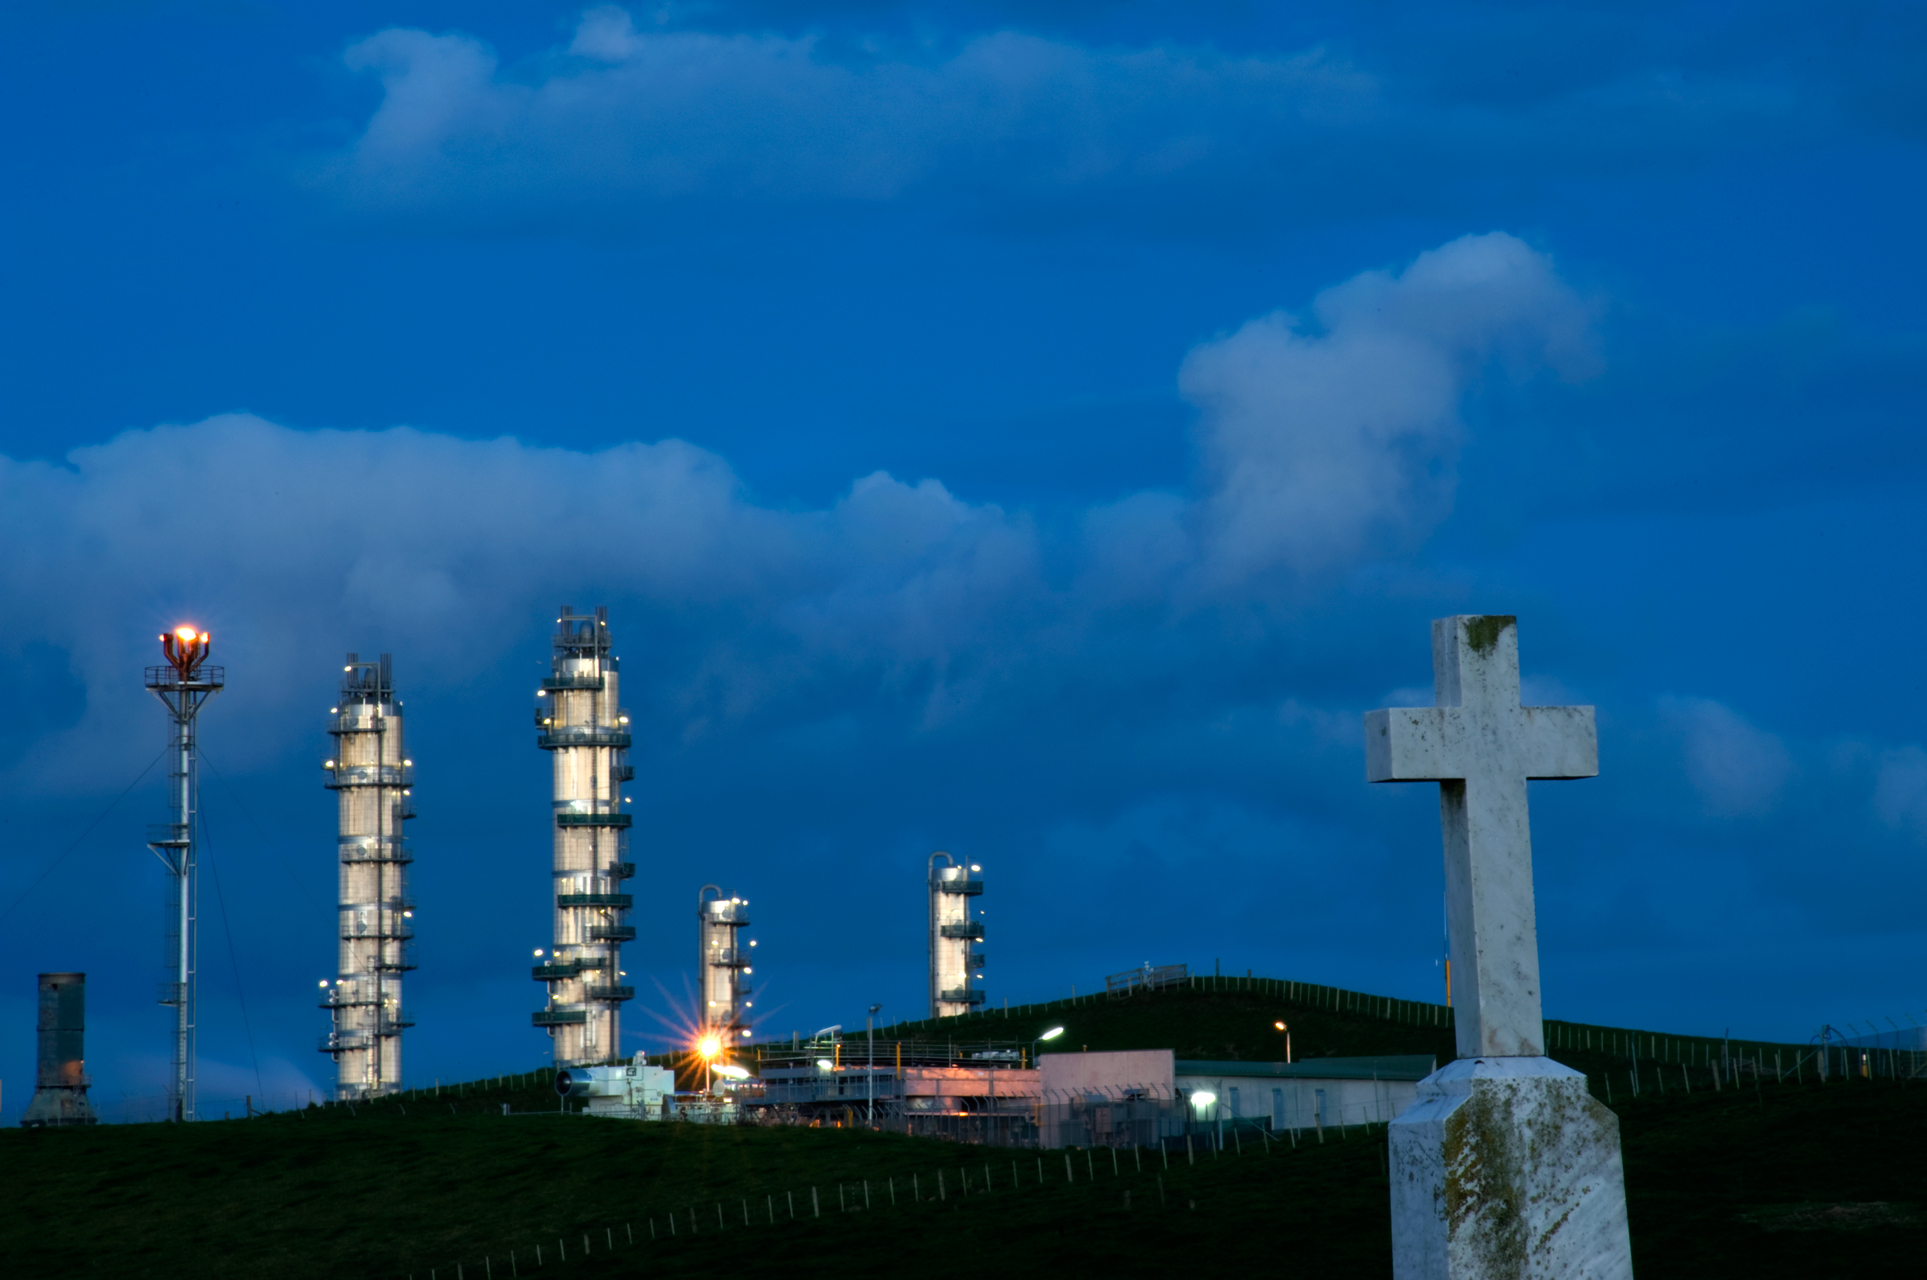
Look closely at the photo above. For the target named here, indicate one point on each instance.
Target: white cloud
(291, 546)
(662, 115)
(1737, 769)
(1325, 441)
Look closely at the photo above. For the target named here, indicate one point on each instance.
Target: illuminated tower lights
(724, 963)
(183, 685)
(954, 937)
(373, 779)
(580, 722)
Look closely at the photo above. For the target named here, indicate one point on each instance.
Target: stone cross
(1481, 747)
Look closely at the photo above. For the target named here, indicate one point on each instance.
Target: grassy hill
(1767, 1179)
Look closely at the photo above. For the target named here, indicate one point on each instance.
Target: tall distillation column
(724, 963)
(182, 685)
(954, 937)
(582, 725)
(373, 780)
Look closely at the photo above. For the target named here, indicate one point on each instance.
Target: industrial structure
(636, 1091)
(60, 1080)
(724, 963)
(373, 780)
(1008, 1093)
(981, 1092)
(580, 722)
(183, 685)
(955, 938)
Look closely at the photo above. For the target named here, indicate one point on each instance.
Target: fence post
(814, 1204)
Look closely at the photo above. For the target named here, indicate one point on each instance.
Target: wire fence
(157, 1108)
(1150, 1171)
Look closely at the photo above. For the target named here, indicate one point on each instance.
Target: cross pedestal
(1505, 1166)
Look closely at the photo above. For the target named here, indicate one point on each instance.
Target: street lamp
(1052, 1034)
(1287, 1030)
(1204, 1100)
(869, 1031)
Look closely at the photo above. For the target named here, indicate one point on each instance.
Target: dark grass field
(1766, 1180)
(1780, 1181)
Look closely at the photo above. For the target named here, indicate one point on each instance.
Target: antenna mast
(182, 685)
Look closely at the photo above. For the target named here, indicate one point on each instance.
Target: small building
(1316, 1093)
(1146, 1096)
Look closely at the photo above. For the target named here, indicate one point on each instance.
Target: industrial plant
(955, 938)
(183, 684)
(581, 724)
(372, 777)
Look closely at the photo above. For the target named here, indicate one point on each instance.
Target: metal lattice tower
(954, 937)
(582, 725)
(724, 963)
(183, 685)
(373, 780)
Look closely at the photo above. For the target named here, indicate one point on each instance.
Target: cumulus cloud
(1737, 768)
(622, 120)
(1329, 436)
(445, 544)
(665, 115)
(290, 545)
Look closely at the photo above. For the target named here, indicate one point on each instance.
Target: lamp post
(1287, 1030)
(1200, 1101)
(869, 1032)
(1052, 1034)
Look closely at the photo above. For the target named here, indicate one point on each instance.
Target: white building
(1143, 1096)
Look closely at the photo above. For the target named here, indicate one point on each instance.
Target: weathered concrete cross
(1481, 746)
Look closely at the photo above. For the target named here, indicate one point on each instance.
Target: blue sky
(1034, 431)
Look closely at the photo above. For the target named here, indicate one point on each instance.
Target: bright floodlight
(732, 1073)
(1279, 1025)
(825, 1063)
(1052, 1034)
(1203, 1098)
(538, 951)
(710, 1047)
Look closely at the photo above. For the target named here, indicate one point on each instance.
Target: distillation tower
(724, 962)
(373, 780)
(954, 937)
(183, 685)
(581, 724)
